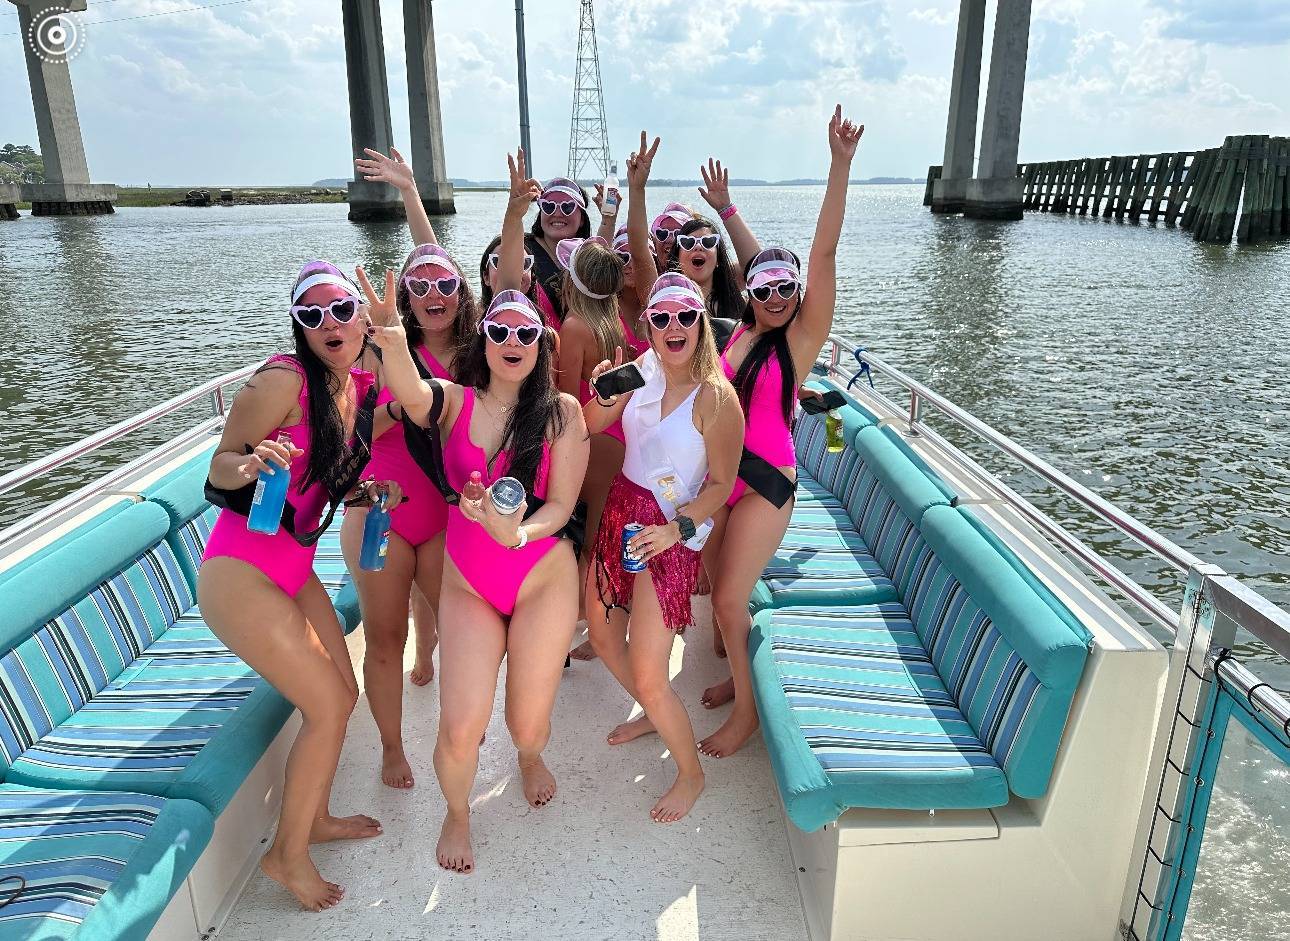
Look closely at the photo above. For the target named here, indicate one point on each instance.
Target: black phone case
(619, 381)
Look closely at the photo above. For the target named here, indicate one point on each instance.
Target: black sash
(767, 479)
(339, 481)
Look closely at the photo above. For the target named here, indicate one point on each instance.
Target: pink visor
(771, 270)
(620, 239)
(430, 255)
(565, 188)
(566, 250)
(512, 301)
(673, 211)
(678, 289)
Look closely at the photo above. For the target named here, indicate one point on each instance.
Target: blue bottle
(270, 497)
(376, 538)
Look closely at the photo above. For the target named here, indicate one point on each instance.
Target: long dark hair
(464, 325)
(537, 417)
(771, 342)
(725, 299)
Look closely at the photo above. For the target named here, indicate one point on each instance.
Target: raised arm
(809, 331)
(716, 193)
(524, 191)
(638, 169)
(413, 393)
(396, 171)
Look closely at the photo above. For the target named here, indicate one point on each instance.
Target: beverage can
(507, 494)
(630, 561)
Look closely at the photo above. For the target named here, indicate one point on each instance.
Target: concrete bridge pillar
(996, 191)
(9, 197)
(426, 118)
(369, 108)
(950, 191)
(67, 188)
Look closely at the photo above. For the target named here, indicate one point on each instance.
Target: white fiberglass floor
(590, 865)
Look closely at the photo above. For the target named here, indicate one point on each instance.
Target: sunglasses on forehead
(311, 316)
(549, 206)
(690, 242)
(784, 289)
(421, 286)
(495, 259)
(662, 319)
(499, 333)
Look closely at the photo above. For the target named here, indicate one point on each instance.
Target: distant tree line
(19, 163)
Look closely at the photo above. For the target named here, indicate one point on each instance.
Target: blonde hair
(705, 361)
(601, 270)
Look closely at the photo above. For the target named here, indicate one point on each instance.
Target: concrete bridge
(995, 190)
(68, 189)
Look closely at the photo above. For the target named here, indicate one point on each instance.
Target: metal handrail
(920, 394)
(212, 388)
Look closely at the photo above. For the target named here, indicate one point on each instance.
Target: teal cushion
(892, 433)
(54, 672)
(899, 478)
(67, 538)
(857, 687)
(98, 866)
(189, 541)
(810, 442)
(181, 493)
(1011, 664)
(188, 719)
(59, 580)
(329, 564)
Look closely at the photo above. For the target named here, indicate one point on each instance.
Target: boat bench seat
(945, 682)
(112, 685)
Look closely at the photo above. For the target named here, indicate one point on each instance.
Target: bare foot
(728, 739)
(703, 586)
(678, 800)
(356, 827)
(422, 670)
(454, 851)
(628, 731)
(583, 651)
(718, 695)
(302, 880)
(395, 770)
(539, 782)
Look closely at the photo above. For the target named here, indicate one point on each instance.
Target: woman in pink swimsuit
(510, 583)
(784, 329)
(309, 415)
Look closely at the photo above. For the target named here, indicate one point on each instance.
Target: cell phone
(618, 381)
(826, 403)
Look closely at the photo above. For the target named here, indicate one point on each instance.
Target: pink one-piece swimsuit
(766, 433)
(425, 513)
(284, 561)
(496, 572)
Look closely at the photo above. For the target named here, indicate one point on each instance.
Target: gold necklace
(484, 397)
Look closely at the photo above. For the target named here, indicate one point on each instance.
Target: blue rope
(862, 371)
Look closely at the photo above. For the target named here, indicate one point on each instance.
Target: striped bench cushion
(824, 566)
(191, 538)
(51, 674)
(864, 696)
(96, 865)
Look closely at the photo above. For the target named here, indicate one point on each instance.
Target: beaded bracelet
(728, 212)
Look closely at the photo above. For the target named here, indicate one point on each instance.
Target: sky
(254, 92)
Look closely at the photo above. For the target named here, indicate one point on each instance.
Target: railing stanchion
(915, 413)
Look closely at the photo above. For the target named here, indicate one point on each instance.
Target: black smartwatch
(686, 526)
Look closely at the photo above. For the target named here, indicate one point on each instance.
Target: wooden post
(1280, 224)
(1138, 194)
(1160, 179)
(1200, 183)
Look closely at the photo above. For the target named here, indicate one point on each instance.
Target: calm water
(1151, 368)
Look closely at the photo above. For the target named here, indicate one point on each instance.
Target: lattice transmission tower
(588, 132)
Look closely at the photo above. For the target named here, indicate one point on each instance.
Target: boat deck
(590, 865)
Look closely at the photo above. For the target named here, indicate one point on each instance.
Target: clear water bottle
(609, 205)
(376, 537)
(269, 499)
(474, 489)
(833, 431)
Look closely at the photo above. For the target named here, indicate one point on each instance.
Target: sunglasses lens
(710, 241)
(625, 256)
(787, 289)
(497, 332)
(418, 287)
(527, 335)
(687, 318)
(344, 311)
(662, 234)
(493, 260)
(660, 320)
(310, 318)
(546, 206)
(762, 293)
(568, 208)
(447, 286)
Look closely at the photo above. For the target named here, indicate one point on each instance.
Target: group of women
(413, 394)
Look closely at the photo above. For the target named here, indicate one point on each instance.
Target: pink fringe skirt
(675, 572)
